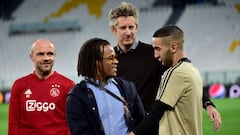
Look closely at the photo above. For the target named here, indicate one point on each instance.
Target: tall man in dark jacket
(137, 62)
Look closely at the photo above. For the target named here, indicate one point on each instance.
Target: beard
(45, 73)
(45, 70)
(167, 62)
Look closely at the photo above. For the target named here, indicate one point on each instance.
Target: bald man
(37, 103)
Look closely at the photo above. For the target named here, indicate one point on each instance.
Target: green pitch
(229, 109)
(3, 119)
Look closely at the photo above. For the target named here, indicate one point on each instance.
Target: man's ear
(30, 56)
(174, 48)
(113, 30)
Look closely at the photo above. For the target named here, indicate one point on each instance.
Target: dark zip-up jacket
(82, 112)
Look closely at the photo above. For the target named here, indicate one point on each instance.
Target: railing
(43, 27)
(223, 77)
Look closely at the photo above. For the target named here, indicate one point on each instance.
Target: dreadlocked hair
(89, 53)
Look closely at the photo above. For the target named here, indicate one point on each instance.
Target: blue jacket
(82, 112)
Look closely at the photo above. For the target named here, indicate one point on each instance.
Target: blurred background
(212, 36)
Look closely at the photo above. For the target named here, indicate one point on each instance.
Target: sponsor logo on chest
(34, 105)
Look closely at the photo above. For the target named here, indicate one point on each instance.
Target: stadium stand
(7, 7)
(209, 32)
(44, 27)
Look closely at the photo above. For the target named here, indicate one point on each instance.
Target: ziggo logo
(32, 105)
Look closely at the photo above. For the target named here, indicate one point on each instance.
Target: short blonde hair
(124, 9)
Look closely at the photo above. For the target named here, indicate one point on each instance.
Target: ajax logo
(55, 92)
(33, 105)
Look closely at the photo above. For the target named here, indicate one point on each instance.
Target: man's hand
(214, 116)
